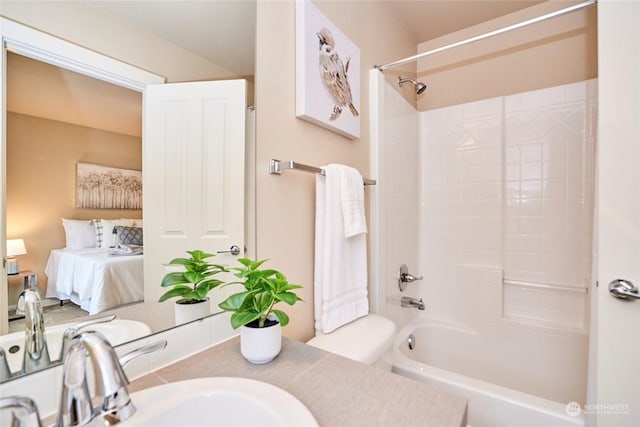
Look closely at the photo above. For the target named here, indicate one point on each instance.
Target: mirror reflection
(73, 255)
(49, 110)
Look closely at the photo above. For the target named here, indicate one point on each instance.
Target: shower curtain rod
(487, 35)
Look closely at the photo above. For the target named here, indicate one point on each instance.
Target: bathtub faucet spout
(412, 302)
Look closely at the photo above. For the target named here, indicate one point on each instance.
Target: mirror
(158, 316)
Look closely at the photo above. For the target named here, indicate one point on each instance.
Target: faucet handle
(159, 345)
(76, 407)
(28, 296)
(73, 330)
(404, 277)
(24, 412)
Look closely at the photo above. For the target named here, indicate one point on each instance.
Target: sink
(219, 401)
(117, 331)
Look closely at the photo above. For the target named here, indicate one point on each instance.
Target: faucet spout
(110, 386)
(412, 302)
(110, 382)
(36, 353)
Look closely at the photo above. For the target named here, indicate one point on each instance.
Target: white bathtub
(461, 361)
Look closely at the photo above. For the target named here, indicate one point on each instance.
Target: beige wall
(558, 51)
(286, 203)
(41, 172)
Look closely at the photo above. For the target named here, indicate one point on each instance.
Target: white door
(617, 323)
(193, 174)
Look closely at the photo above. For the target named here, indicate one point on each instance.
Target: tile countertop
(338, 391)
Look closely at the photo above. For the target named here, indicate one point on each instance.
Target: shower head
(420, 87)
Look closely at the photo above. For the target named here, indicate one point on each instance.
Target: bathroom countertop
(338, 391)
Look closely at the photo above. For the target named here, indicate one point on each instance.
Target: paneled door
(193, 174)
(615, 368)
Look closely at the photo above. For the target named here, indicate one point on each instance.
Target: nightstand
(26, 276)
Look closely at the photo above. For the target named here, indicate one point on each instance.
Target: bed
(93, 279)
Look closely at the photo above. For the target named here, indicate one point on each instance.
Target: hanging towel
(352, 201)
(340, 283)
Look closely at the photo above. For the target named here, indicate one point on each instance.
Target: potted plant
(254, 312)
(192, 285)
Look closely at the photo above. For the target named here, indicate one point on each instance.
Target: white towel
(352, 201)
(340, 283)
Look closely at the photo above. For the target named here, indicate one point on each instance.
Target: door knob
(624, 289)
(233, 250)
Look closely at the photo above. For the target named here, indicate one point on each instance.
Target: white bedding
(93, 279)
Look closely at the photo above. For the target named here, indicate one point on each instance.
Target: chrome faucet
(76, 407)
(74, 329)
(405, 278)
(36, 353)
(412, 302)
(24, 412)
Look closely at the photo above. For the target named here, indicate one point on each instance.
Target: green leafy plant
(263, 289)
(193, 284)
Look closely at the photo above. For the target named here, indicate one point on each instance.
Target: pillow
(79, 234)
(129, 235)
(104, 229)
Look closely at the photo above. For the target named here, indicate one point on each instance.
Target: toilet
(368, 339)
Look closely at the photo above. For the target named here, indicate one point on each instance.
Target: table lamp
(15, 247)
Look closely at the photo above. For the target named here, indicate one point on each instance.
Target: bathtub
(452, 357)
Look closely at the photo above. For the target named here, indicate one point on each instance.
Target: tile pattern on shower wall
(549, 175)
(460, 203)
(507, 184)
(397, 189)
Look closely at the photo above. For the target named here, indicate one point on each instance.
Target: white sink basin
(219, 401)
(117, 331)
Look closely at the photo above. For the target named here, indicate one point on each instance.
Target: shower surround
(492, 202)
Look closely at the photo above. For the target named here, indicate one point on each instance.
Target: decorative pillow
(105, 236)
(129, 235)
(79, 234)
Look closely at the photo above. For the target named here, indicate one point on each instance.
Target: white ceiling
(222, 31)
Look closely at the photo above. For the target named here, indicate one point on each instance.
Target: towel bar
(277, 166)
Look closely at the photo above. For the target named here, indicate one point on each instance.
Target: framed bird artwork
(327, 73)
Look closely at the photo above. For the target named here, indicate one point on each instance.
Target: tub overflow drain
(411, 342)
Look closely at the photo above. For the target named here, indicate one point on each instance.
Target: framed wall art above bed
(103, 187)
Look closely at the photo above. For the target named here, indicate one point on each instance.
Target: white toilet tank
(365, 340)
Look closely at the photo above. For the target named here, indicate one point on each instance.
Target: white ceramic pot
(260, 345)
(186, 313)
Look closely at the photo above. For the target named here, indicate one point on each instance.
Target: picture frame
(103, 187)
(327, 73)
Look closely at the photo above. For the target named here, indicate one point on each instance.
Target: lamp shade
(16, 247)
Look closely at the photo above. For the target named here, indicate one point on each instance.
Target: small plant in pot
(192, 285)
(254, 312)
